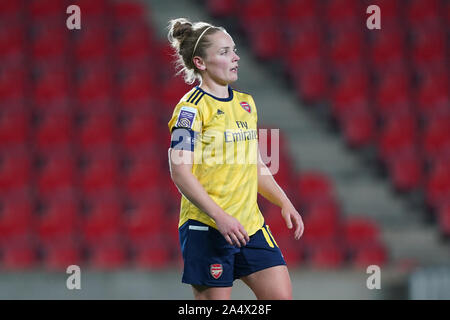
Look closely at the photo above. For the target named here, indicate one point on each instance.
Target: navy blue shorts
(210, 260)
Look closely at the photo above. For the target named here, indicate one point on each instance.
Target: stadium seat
(438, 185)
(54, 131)
(12, 42)
(436, 137)
(98, 131)
(45, 10)
(145, 221)
(345, 48)
(372, 254)
(141, 178)
(320, 228)
(100, 174)
(341, 13)
(93, 44)
(140, 131)
(59, 171)
(304, 47)
(14, 83)
(359, 128)
(130, 11)
(59, 222)
(312, 83)
(154, 254)
(433, 93)
(18, 256)
(52, 89)
(359, 231)
(406, 172)
(95, 85)
(49, 43)
(17, 219)
(222, 8)
(14, 126)
(103, 221)
(297, 13)
(314, 187)
(58, 256)
(16, 170)
(107, 256)
(420, 13)
(327, 256)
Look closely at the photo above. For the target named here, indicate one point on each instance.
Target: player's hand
(293, 219)
(232, 230)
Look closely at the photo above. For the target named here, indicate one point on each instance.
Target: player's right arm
(180, 162)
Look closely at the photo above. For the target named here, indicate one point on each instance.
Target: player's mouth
(235, 69)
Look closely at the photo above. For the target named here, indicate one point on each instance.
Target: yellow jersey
(225, 146)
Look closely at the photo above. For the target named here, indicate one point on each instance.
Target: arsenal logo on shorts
(246, 106)
(216, 270)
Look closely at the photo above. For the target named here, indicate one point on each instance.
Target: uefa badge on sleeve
(216, 270)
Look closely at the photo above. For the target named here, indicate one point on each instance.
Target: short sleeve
(187, 116)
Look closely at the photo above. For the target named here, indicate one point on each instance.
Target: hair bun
(181, 30)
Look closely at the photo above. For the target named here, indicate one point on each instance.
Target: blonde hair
(189, 40)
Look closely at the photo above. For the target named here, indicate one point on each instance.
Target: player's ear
(199, 63)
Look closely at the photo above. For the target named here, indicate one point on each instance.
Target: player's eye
(235, 50)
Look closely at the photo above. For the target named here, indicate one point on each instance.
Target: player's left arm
(269, 189)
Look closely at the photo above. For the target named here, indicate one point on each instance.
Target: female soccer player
(215, 163)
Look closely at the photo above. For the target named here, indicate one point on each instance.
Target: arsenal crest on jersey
(216, 270)
(246, 106)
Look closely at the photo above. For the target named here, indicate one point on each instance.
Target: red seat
(314, 187)
(95, 85)
(341, 13)
(305, 46)
(436, 137)
(108, 256)
(359, 128)
(49, 43)
(134, 43)
(54, 131)
(393, 92)
(372, 254)
(299, 12)
(20, 255)
(60, 255)
(346, 48)
(58, 172)
(11, 9)
(320, 228)
(293, 250)
(266, 41)
(140, 131)
(14, 126)
(16, 219)
(52, 89)
(359, 231)
(429, 47)
(98, 131)
(388, 48)
(143, 176)
(12, 42)
(154, 254)
(396, 138)
(59, 222)
(103, 221)
(252, 12)
(222, 8)
(130, 11)
(327, 256)
(136, 88)
(145, 221)
(101, 173)
(14, 84)
(94, 11)
(433, 93)
(312, 84)
(16, 170)
(45, 10)
(406, 172)
(420, 13)
(438, 185)
(93, 44)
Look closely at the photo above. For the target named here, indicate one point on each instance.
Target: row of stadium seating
(84, 177)
(387, 90)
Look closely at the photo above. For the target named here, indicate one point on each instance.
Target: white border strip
(199, 228)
